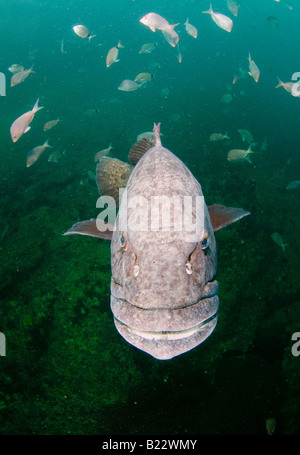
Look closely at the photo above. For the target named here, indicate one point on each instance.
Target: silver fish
(16, 68)
(246, 135)
(214, 137)
(21, 125)
(233, 7)
(143, 77)
(190, 29)
(221, 20)
(55, 156)
(147, 135)
(156, 22)
(270, 425)
(171, 36)
(239, 155)
(253, 69)
(82, 31)
(128, 85)
(19, 77)
(147, 48)
(35, 153)
(291, 87)
(276, 237)
(294, 185)
(112, 55)
(51, 124)
(103, 152)
(164, 296)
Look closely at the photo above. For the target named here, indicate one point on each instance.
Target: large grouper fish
(164, 295)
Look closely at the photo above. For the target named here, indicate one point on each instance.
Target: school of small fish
(157, 23)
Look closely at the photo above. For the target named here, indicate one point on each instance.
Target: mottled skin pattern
(158, 306)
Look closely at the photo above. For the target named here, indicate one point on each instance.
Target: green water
(66, 369)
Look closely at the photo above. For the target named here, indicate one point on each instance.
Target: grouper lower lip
(175, 335)
(166, 345)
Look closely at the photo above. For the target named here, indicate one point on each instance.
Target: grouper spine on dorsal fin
(156, 131)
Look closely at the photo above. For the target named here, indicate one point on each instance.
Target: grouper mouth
(167, 332)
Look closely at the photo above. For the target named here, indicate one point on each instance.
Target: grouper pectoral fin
(221, 216)
(111, 176)
(93, 228)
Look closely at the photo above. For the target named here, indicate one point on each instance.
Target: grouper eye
(123, 242)
(204, 241)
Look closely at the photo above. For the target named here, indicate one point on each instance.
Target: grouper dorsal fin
(139, 149)
(156, 131)
(91, 228)
(222, 216)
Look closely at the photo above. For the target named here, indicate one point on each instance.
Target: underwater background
(66, 369)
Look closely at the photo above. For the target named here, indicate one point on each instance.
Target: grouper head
(164, 296)
(163, 288)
